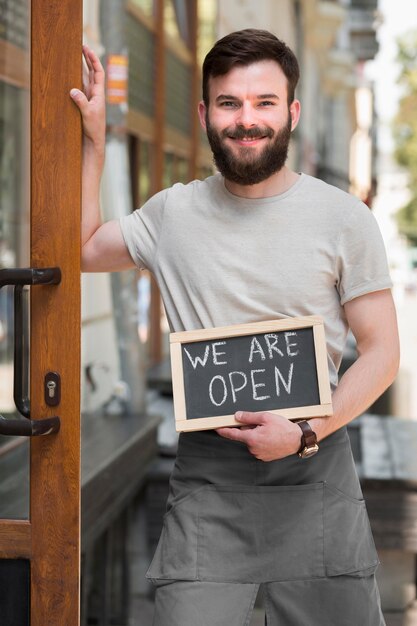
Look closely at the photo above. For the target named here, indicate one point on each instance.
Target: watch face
(308, 451)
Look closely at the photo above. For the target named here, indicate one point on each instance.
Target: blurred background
(358, 131)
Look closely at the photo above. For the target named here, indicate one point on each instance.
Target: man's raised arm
(103, 246)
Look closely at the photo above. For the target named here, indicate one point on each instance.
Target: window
(177, 20)
(146, 6)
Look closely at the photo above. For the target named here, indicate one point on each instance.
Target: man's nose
(246, 116)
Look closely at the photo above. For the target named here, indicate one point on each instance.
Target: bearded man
(255, 506)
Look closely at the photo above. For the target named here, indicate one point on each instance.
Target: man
(256, 242)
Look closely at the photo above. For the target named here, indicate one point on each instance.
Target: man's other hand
(268, 436)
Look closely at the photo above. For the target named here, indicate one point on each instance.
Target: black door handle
(18, 278)
(30, 276)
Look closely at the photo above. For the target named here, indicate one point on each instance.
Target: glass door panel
(14, 233)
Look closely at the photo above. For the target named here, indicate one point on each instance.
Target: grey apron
(232, 519)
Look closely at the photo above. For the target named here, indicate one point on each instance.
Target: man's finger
(86, 55)
(88, 72)
(79, 98)
(250, 417)
(236, 434)
(94, 65)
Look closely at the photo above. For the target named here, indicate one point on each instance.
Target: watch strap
(309, 437)
(309, 446)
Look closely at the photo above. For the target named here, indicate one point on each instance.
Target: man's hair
(244, 47)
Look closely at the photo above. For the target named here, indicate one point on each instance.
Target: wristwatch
(309, 445)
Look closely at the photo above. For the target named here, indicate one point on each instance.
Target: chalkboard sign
(278, 366)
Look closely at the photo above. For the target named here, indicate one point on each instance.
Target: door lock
(52, 389)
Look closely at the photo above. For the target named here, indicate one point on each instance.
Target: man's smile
(248, 141)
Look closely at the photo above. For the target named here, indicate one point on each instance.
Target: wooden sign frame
(324, 408)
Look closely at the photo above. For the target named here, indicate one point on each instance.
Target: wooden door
(41, 554)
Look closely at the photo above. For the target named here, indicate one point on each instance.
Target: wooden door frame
(56, 312)
(50, 539)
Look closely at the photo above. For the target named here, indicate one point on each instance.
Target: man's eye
(227, 103)
(266, 103)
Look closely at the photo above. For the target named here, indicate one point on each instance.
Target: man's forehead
(261, 77)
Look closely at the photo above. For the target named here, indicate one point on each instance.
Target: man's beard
(249, 168)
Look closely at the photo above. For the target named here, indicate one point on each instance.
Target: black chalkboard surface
(278, 366)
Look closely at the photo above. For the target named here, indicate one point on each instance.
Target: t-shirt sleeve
(141, 231)
(362, 260)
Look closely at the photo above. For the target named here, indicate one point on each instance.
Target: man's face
(248, 122)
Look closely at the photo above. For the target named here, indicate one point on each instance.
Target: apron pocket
(176, 554)
(260, 534)
(349, 547)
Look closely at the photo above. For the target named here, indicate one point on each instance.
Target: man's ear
(295, 111)
(202, 110)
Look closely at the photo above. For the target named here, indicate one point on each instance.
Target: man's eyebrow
(268, 96)
(225, 97)
(262, 96)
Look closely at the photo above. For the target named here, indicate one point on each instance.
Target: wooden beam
(195, 93)
(134, 159)
(15, 539)
(156, 309)
(159, 95)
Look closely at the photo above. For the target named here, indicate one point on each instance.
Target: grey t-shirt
(220, 259)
